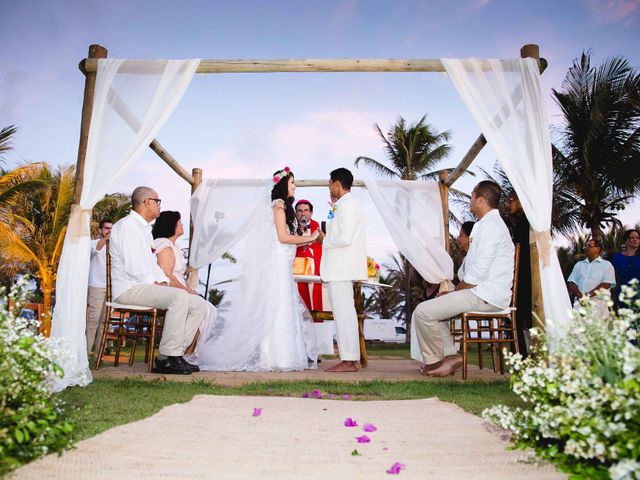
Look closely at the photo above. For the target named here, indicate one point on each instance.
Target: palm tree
(113, 206)
(6, 135)
(599, 154)
(34, 228)
(413, 152)
(383, 302)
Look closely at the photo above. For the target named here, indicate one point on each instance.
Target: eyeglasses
(157, 200)
(591, 246)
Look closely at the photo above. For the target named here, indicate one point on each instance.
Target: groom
(344, 260)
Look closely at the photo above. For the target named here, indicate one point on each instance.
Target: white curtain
(132, 100)
(222, 211)
(505, 99)
(412, 212)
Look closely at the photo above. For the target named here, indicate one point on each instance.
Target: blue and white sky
(249, 125)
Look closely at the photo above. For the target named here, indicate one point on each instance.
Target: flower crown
(281, 174)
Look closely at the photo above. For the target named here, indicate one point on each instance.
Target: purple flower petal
(363, 439)
(395, 468)
(305, 395)
(257, 412)
(346, 396)
(369, 427)
(316, 394)
(349, 422)
(385, 449)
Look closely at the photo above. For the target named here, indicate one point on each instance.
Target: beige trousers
(432, 322)
(346, 318)
(184, 313)
(96, 310)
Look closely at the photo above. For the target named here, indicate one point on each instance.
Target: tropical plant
(113, 206)
(599, 149)
(34, 228)
(32, 419)
(383, 302)
(413, 152)
(6, 135)
(581, 400)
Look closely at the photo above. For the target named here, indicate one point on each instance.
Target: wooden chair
(501, 327)
(119, 326)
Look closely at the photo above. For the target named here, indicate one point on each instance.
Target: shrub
(583, 397)
(31, 417)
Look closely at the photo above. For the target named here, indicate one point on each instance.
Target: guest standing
(97, 292)
(627, 262)
(520, 234)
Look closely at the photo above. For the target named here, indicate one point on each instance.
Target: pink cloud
(625, 12)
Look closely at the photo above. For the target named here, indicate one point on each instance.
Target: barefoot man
(343, 261)
(485, 286)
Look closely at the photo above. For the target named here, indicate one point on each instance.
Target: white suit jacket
(344, 255)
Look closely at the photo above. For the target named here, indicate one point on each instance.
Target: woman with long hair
(626, 263)
(266, 327)
(166, 230)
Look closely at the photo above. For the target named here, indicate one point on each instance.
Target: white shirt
(98, 266)
(588, 275)
(489, 263)
(132, 259)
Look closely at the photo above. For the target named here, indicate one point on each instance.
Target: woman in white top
(166, 230)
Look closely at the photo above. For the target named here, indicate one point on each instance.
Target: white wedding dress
(266, 327)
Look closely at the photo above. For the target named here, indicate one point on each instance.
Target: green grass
(107, 403)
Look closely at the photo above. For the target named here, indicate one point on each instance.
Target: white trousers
(346, 318)
(96, 310)
(432, 322)
(184, 313)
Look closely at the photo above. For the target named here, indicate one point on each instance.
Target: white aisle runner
(293, 438)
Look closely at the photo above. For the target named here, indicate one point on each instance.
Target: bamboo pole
(197, 180)
(311, 65)
(95, 52)
(444, 199)
(173, 163)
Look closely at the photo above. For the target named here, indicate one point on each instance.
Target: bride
(266, 327)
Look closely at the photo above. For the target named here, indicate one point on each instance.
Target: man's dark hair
(103, 221)
(490, 191)
(596, 241)
(304, 202)
(342, 175)
(165, 225)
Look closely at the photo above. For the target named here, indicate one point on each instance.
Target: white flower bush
(31, 418)
(582, 399)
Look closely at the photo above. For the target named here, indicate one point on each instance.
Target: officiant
(307, 261)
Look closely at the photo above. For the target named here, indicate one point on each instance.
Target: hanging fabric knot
(79, 223)
(543, 240)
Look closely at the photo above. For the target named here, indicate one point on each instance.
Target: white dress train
(266, 326)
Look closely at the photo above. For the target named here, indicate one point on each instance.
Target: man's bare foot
(344, 366)
(425, 369)
(449, 366)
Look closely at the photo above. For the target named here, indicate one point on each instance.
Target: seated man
(311, 293)
(591, 274)
(138, 280)
(485, 285)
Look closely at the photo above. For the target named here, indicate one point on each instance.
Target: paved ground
(380, 368)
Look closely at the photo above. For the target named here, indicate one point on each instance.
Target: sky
(249, 125)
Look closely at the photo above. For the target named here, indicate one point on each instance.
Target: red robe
(313, 251)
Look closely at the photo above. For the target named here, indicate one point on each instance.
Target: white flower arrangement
(582, 399)
(31, 417)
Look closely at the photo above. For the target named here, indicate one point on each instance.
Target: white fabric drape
(132, 100)
(222, 211)
(505, 99)
(412, 212)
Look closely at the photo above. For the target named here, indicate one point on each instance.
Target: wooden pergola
(89, 65)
